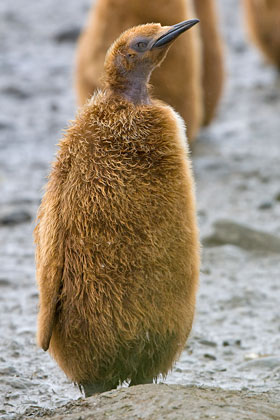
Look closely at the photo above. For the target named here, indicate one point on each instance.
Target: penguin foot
(137, 380)
(95, 388)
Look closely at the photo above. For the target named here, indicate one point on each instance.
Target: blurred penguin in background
(263, 21)
(177, 81)
(213, 72)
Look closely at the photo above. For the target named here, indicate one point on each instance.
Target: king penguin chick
(213, 73)
(177, 81)
(263, 21)
(117, 240)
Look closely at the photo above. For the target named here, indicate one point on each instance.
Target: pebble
(265, 205)
(243, 236)
(18, 383)
(228, 353)
(54, 107)
(4, 282)
(207, 343)
(14, 218)
(240, 47)
(68, 35)
(270, 363)
(251, 356)
(17, 92)
(206, 271)
(265, 179)
(277, 196)
(6, 125)
(210, 356)
(231, 343)
(10, 370)
(272, 97)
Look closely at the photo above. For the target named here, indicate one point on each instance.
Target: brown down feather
(117, 248)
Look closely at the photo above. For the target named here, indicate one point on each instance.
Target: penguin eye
(140, 46)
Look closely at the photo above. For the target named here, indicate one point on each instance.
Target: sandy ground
(169, 402)
(234, 348)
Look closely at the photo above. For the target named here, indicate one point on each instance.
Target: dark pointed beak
(173, 32)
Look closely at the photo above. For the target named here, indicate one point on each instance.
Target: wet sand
(235, 342)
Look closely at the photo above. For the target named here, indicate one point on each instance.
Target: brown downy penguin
(117, 240)
(263, 22)
(213, 73)
(177, 81)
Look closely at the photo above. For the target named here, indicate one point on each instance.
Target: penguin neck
(133, 87)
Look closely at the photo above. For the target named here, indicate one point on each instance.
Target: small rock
(231, 343)
(271, 97)
(10, 370)
(277, 196)
(4, 125)
(4, 282)
(16, 92)
(207, 343)
(251, 356)
(265, 179)
(210, 356)
(20, 201)
(14, 218)
(14, 345)
(68, 35)
(11, 396)
(236, 157)
(228, 353)
(230, 232)
(261, 363)
(240, 47)
(19, 383)
(242, 187)
(265, 205)
(206, 271)
(54, 107)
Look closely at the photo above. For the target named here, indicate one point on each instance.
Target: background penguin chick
(177, 81)
(117, 240)
(263, 23)
(213, 72)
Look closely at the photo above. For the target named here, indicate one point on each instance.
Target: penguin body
(263, 21)
(109, 18)
(213, 73)
(117, 241)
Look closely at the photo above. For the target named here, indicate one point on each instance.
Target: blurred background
(235, 340)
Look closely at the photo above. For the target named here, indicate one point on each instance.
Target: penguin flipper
(49, 297)
(49, 238)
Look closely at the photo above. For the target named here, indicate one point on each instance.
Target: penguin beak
(173, 32)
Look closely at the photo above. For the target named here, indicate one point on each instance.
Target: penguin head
(140, 49)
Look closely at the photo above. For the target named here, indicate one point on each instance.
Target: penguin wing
(49, 238)
(49, 286)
